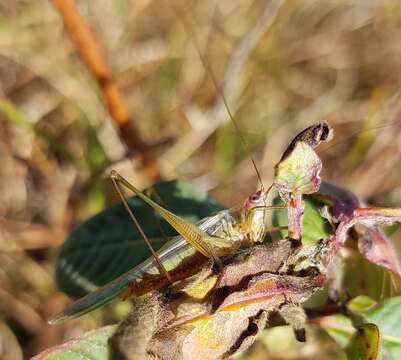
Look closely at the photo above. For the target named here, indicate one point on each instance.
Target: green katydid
(211, 238)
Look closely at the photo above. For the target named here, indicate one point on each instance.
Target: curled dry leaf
(377, 248)
(346, 212)
(298, 173)
(255, 285)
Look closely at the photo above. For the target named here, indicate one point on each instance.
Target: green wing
(170, 254)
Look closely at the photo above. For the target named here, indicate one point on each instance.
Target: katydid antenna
(187, 25)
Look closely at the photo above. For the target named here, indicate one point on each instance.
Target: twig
(90, 52)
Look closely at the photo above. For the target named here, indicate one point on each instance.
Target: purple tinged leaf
(220, 334)
(377, 248)
(374, 245)
(263, 287)
(345, 201)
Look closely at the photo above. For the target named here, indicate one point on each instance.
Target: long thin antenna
(160, 265)
(187, 25)
(220, 91)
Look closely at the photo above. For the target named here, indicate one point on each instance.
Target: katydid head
(255, 200)
(254, 214)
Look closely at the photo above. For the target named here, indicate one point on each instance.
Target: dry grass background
(281, 64)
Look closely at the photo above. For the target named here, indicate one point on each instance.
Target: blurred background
(130, 85)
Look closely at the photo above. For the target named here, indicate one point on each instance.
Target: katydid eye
(255, 197)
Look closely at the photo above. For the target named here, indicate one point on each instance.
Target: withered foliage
(218, 314)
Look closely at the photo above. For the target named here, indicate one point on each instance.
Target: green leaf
(362, 277)
(361, 303)
(385, 315)
(315, 227)
(107, 245)
(365, 344)
(281, 343)
(389, 230)
(90, 346)
(339, 327)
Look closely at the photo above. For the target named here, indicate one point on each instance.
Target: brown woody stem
(90, 52)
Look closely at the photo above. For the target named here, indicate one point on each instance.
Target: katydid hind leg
(152, 192)
(116, 183)
(189, 231)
